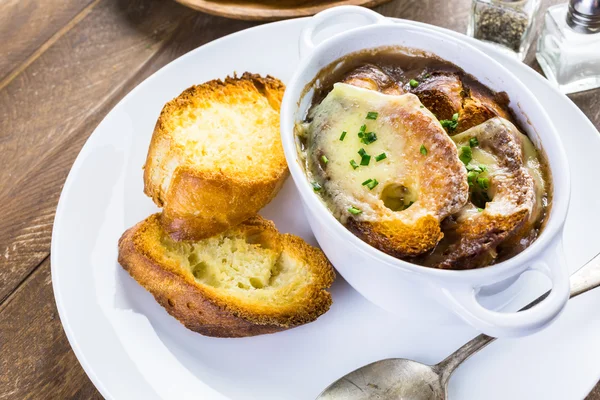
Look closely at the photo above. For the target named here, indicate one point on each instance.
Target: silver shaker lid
(584, 16)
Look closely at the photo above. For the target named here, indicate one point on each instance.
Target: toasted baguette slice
(216, 157)
(247, 281)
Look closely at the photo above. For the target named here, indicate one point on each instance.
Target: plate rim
(54, 261)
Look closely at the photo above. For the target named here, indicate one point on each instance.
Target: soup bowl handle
(463, 301)
(332, 17)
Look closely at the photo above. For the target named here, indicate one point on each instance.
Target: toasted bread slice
(512, 209)
(216, 157)
(396, 203)
(247, 281)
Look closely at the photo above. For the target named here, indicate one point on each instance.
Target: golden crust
(202, 200)
(479, 107)
(209, 310)
(371, 77)
(437, 180)
(204, 203)
(398, 239)
(510, 208)
(442, 94)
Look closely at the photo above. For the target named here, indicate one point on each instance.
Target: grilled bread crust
(145, 253)
(192, 171)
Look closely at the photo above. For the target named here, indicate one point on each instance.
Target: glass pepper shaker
(507, 24)
(569, 45)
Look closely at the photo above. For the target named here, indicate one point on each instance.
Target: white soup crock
(406, 289)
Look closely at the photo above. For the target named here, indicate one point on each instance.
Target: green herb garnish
(473, 142)
(363, 128)
(372, 184)
(354, 211)
(354, 164)
(343, 135)
(483, 183)
(365, 159)
(362, 152)
(451, 124)
(380, 157)
(427, 75)
(324, 159)
(465, 154)
(413, 83)
(372, 115)
(471, 177)
(316, 186)
(476, 168)
(422, 106)
(368, 138)
(423, 150)
(479, 209)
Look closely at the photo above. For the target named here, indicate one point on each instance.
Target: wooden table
(64, 65)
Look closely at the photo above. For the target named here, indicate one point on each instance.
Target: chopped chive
(354, 164)
(362, 152)
(372, 184)
(483, 168)
(455, 117)
(372, 115)
(367, 181)
(465, 155)
(423, 150)
(427, 75)
(368, 138)
(324, 159)
(479, 209)
(476, 168)
(450, 124)
(363, 128)
(414, 83)
(473, 142)
(380, 157)
(471, 177)
(354, 211)
(365, 159)
(343, 135)
(422, 106)
(484, 183)
(316, 186)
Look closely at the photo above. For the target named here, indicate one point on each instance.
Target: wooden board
(67, 63)
(270, 10)
(37, 361)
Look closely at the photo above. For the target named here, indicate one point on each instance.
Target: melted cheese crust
(436, 181)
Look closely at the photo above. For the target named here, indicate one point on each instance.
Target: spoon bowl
(394, 378)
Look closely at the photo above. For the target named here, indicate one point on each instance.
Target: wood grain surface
(65, 65)
(270, 10)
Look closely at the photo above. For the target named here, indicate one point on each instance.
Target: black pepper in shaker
(504, 23)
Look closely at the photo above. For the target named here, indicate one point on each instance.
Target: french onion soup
(422, 161)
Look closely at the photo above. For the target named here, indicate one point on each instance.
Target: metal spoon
(398, 378)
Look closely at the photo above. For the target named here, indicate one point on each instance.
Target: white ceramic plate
(132, 349)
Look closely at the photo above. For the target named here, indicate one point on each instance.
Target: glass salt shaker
(507, 24)
(569, 45)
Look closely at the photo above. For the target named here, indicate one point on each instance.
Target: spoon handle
(586, 278)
